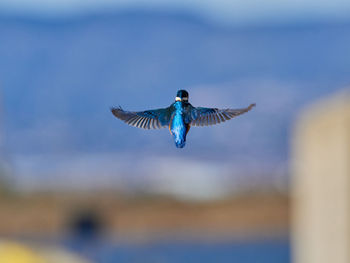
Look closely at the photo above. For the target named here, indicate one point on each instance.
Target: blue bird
(178, 117)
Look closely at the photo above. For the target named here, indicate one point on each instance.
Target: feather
(151, 119)
(211, 116)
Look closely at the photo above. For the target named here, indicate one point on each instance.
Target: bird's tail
(180, 144)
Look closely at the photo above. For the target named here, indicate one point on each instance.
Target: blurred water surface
(107, 251)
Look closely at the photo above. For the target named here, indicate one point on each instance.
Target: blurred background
(78, 184)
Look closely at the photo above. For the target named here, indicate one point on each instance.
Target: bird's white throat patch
(179, 99)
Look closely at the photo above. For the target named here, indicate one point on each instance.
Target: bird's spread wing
(211, 116)
(149, 119)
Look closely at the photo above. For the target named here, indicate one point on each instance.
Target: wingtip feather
(251, 106)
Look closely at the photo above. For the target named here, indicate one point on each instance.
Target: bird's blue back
(178, 127)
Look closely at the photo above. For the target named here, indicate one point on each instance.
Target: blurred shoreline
(145, 218)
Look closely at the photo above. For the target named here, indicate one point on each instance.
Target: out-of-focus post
(321, 182)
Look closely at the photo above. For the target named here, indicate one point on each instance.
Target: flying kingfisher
(178, 117)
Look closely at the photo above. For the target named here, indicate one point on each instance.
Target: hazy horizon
(238, 12)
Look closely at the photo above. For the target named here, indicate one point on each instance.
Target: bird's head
(182, 95)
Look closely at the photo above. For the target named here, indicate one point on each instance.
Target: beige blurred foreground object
(321, 182)
(13, 252)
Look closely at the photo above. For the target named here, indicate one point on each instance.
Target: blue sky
(77, 138)
(231, 11)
